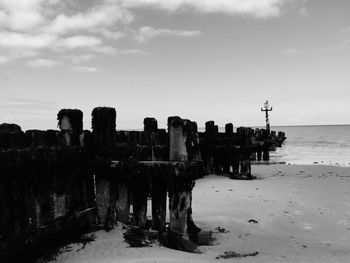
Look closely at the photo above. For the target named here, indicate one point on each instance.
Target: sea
(316, 144)
(321, 145)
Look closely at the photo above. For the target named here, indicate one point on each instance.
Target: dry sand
(297, 213)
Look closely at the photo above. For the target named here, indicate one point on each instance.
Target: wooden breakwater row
(231, 152)
(54, 183)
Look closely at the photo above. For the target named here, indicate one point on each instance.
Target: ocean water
(328, 145)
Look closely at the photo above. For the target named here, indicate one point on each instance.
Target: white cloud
(79, 42)
(23, 14)
(102, 16)
(13, 41)
(43, 63)
(22, 40)
(109, 34)
(84, 69)
(256, 8)
(30, 27)
(145, 33)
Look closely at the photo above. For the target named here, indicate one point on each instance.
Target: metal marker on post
(267, 109)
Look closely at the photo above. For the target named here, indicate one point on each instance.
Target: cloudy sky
(199, 59)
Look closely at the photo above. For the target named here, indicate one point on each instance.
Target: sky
(198, 59)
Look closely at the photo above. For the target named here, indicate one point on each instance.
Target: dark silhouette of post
(267, 109)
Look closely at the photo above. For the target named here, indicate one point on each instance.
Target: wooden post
(159, 195)
(259, 152)
(102, 198)
(70, 122)
(140, 208)
(140, 194)
(123, 203)
(266, 151)
(229, 129)
(103, 130)
(180, 187)
(177, 140)
(180, 198)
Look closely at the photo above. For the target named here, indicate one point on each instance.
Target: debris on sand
(222, 230)
(137, 237)
(232, 254)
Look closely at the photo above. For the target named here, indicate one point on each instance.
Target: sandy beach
(291, 213)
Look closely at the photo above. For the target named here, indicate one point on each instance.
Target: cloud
(79, 42)
(20, 14)
(132, 52)
(81, 58)
(146, 33)
(342, 45)
(22, 40)
(103, 49)
(102, 16)
(85, 69)
(50, 27)
(255, 8)
(43, 63)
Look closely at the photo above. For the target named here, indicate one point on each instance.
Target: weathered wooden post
(105, 202)
(228, 149)
(159, 195)
(140, 189)
(235, 161)
(190, 131)
(177, 140)
(245, 152)
(180, 198)
(123, 203)
(266, 151)
(150, 131)
(104, 130)
(124, 172)
(210, 133)
(180, 187)
(266, 145)
(70, 122)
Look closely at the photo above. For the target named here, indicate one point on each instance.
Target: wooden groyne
(58, 182)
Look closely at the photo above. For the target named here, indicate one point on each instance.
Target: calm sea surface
(314, 144)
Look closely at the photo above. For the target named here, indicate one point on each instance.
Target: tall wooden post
(103, 130)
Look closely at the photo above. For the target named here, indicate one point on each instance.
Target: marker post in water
(267, 109)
